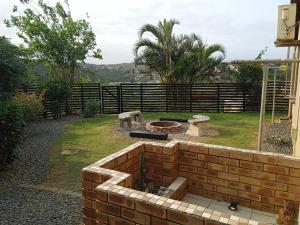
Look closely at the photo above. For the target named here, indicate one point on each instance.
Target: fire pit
(163, 126)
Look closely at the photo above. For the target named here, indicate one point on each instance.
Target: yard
(86, 141)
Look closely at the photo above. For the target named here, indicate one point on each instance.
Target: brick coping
(117, 185)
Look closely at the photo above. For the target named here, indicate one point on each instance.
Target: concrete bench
(129, 117)
(196, 125)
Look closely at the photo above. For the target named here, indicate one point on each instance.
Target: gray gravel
(278, 138)
(32, 206)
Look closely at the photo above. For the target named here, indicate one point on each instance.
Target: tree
(157, 54)
(12, 68)
(198, 61)
(51, 36)
(176, 58)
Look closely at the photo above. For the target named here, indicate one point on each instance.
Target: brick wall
(256, 180)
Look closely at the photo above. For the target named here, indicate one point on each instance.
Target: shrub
(56, 93)
(30, 104)
(11, 126)
(92, 108)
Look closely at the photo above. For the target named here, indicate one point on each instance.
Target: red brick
(193, 176)
(287, 179)
(263, 191)
(273, 200)
(161, 164)
(161, 157)
(240, 186)
(217, 181)
(288, 195)
(193, 162)
(189, 155)
(87, 203)
(169, 150)
(130, 162)
(101, 195)
(90, 213)
(154, 177)
(153, 148)
(198, 148)
(238, 170)
(251, 165)
(227, 161)
(109, 165)
(86, 185)
(91, 176)
(218, 151)
(121, 200)
(157, 221)
(228, 191)
(250, 196)
(135, 216)
(134, 153)
(274, 185)
(264, 175)
(289, 162)
(151, 209)
(101, 217)
(120, 159)
(88, 221)
(294, 189)
(188, 168)
(183, 218)
(276, 169)
(228, 176)
(294, 172)
(108, 208)
(263, 158)
(218, 167)
(202, 185)
(207, 172)
(250, 180)
(112, 220)
(208, 158)
(241, 155)
(89, 194)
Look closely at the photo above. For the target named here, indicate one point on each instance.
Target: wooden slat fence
(206, 97)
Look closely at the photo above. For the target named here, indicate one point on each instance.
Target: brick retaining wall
(257, 180)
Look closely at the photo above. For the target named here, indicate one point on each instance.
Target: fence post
(99, 96)
(120, 97)
(218, 89)
(102, 100)
(141, 98)
(167, 107)
(82, 102)
(191, 90)
(244, 98)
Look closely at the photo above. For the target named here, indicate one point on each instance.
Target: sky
(242, 27)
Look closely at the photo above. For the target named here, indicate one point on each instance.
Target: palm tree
(157, 54)
(199, 60)
(176, 58)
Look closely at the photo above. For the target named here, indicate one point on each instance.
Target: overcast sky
(243, 27)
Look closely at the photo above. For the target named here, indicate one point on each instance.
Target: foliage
(12, 68)
(30, 104)
(249, 73)
(92, 107)
(53, 37)
(56, 93)
(176, 58)
(84, 79)
(11, 126)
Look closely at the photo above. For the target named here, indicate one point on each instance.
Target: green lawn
(95, 140)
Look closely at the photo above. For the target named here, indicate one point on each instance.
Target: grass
(95, 139)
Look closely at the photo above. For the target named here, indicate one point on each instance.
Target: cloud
(243, 27)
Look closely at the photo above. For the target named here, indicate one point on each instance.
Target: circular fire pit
(163, 126)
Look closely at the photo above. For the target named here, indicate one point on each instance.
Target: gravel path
(278, 138)
(20, 205)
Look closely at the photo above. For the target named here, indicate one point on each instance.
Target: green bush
(11, 126)
(92, 108)
(30, 104)
(56, 94)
